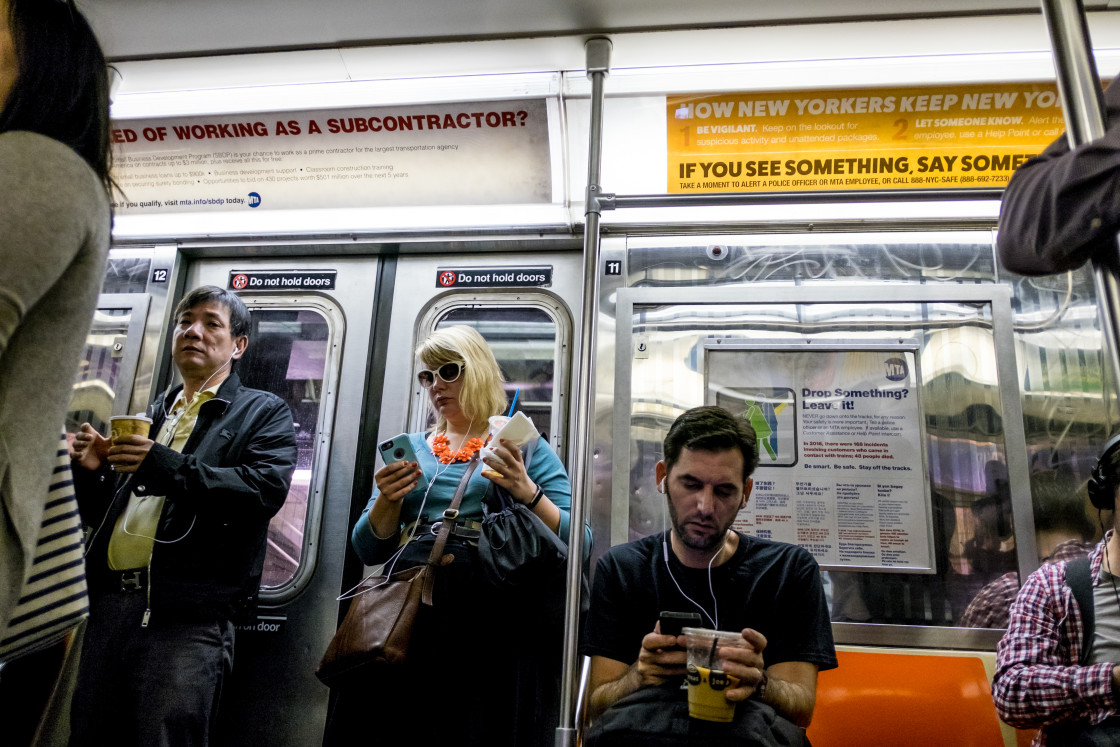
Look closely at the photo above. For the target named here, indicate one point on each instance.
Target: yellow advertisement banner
(890, 138)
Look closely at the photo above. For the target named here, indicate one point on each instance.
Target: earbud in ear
(661, 486)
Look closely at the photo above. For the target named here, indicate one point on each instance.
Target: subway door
(310, 347)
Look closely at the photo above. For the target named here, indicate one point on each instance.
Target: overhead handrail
(728, 199)
(1080, 92)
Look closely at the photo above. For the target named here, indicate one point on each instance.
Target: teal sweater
(545, 470)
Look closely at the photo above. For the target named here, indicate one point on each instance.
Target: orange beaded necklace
(441, 449)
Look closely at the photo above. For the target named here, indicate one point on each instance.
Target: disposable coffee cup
(707, 681)
(497, 422)
(129, 425)
(519, 429)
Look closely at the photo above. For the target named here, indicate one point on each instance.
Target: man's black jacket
(1063, 207)
(231, 478)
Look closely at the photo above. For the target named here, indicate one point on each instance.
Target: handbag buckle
(451, 514)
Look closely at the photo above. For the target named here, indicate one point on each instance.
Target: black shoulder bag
(516, 550)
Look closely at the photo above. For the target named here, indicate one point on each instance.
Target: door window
(292, 352)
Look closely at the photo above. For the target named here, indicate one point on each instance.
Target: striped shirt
(53, 598)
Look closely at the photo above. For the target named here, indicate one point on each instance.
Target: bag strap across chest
(1081, 584)
(451, 513)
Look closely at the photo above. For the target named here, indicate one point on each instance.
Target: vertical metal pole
(1080, 91)
(582, 400)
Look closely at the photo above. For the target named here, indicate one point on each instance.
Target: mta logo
(896, 369)
(254, 200)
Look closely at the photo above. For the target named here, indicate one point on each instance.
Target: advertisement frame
(908, 347)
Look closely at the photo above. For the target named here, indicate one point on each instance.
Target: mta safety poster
(845, 139)
(841, 470)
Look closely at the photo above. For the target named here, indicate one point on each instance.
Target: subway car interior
(643, 208)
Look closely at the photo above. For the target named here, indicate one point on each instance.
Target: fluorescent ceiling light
(334, 95)
(341, 222)
(805, 212)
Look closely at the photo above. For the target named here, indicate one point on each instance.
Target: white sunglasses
(448, 372)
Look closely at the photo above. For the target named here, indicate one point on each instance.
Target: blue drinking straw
(514, 403)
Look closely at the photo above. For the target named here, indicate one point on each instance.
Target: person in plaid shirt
(1041, 678)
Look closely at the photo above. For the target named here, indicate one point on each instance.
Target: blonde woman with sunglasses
(468, 630)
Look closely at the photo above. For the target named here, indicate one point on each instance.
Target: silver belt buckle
(131, 583)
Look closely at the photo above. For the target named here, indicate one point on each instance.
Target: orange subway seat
(913, 699)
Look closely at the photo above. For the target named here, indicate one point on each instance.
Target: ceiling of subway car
(138, 29)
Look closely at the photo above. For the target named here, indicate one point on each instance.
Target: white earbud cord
(163, 400)
(711, 590)
(170, 431)
(388, 566)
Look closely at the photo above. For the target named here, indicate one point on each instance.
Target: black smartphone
(673, 622)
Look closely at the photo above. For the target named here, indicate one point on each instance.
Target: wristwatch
(760, 688)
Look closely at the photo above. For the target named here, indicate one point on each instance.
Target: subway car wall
(349, 258)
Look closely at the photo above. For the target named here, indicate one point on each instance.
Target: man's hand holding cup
(130, 442)
(746, 664)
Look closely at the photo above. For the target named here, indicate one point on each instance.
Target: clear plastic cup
(707, 682)
(497, 422)
(519, 429)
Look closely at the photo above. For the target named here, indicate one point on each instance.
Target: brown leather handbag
(378, 626)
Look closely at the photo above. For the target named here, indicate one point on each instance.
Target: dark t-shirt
(772, 587)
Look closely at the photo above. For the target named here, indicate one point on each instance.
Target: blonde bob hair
(482, 394)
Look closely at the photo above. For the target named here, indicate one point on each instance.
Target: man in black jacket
(1063, 207)
(178, 522)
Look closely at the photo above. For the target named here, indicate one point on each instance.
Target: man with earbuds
(177, 523)
(770, 592)
(1058, 665)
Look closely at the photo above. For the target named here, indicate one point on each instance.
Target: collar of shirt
(182, 416)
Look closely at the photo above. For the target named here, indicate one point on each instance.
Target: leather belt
(467, 529)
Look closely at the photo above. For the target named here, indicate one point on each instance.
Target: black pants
(152, 687)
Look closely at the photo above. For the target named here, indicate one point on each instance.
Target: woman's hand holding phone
(396, 480)
(401, 473)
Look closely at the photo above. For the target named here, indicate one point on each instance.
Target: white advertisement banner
(840, 469)
(478, 153)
